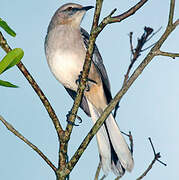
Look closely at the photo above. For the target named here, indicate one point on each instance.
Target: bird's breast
(66, 67)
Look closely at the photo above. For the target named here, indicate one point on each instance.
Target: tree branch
(35, 148)
(172, 55)
(98, 171)
(118, 97)
(171, 13)
(109, 19)
(82, 85)
(156, 158)
(85, 72)
(39, 92)
(135, 54)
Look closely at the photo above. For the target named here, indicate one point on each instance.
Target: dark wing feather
(83, 104)
(98, 62)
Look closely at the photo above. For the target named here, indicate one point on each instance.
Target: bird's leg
(78, 117)
(88, 80)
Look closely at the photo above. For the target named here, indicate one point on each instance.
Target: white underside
(119, 144)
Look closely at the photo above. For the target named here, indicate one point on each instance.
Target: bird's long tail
(113, 149)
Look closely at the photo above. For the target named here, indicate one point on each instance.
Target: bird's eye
(69, 8)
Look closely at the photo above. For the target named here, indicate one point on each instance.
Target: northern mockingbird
(65, 47)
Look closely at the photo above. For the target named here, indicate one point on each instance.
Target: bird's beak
(86, 8)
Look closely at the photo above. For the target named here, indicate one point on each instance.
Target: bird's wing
(98, 62)
(83, 104)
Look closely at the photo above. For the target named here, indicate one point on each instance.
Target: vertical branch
(71, 119)
(85, 72)
(171, 13)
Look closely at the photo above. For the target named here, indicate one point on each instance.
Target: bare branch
(109, 19)
(103, 177)
(39, 92)
(128, 13)
(85, 72)
(172, 55)
(135, 54)
(117, 98)
(171, 13)
(176, 23)
(118, 178)
(20, 136)
(98, 171)
(156, 158)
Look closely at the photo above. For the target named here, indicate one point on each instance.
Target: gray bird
(65, 47)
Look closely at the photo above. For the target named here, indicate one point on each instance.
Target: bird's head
(70, 14)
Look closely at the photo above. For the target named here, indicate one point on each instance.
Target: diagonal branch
(80, 91)
(85, 72)
(96, 29)
(118, 97)
(39, 92)
(135, 54)
(35, 148)
(98, 171)
(109, 19)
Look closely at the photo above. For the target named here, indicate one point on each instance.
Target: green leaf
(5, 26)
(12, 58)
(7, 84)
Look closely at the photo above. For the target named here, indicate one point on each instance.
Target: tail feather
(119, 144)
(114, 152)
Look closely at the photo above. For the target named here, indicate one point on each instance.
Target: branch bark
(37, 89)
(35, 148)
(120, 94)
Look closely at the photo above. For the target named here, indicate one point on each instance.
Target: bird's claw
(72, 123)
(88, 80)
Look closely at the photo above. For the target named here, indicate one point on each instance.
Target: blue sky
(149, 108)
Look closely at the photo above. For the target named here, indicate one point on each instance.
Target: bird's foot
(72, 123)
(87, 84)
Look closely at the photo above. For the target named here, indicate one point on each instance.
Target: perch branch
(80, 91)
(85, 72)
(118, 97)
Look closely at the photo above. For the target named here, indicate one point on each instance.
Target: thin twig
(109, 19)
(118, 178)
(135, 54)
(171, 14)
(35, 148)
(153, 34)
(103, 177)
(172, 55)
(85, 72)
(117, 98)
(130, 139)
(98, 171)
(80, 90)
(137, 51)
(156, 158)
(131, 44)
